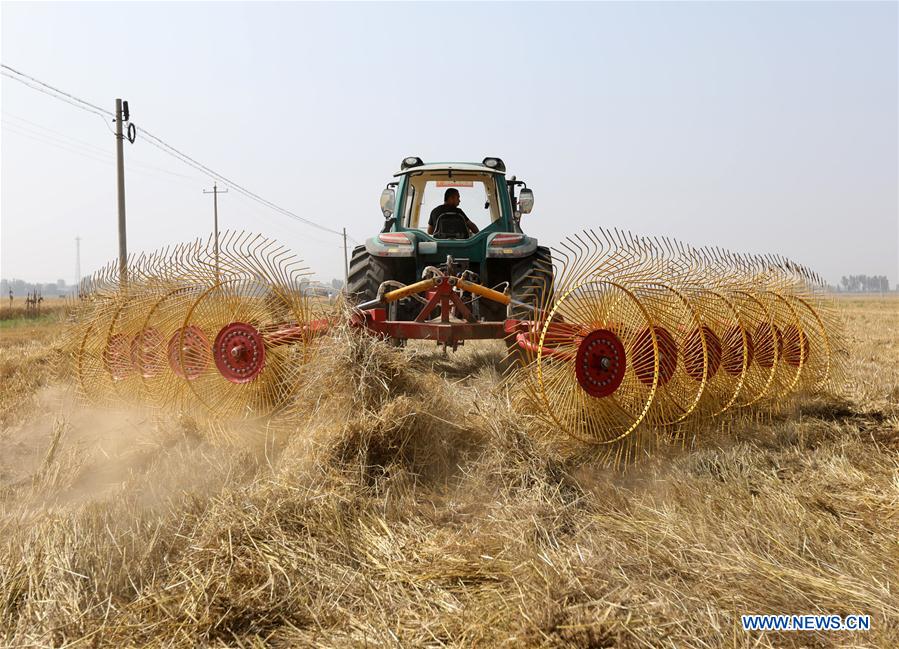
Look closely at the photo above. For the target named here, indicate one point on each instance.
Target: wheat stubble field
(413, 507)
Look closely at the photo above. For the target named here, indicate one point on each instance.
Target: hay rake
(628, 340)
(194, 329)
(644, 334)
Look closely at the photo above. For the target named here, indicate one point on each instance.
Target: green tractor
(425, 236)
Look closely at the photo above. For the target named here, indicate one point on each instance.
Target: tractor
(478, 281)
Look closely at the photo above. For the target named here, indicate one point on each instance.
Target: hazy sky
(765, 127)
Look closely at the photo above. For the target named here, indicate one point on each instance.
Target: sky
(759, 127)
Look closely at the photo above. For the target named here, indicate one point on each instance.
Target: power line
(106, 157)
(186, 159)
(34, 125)
(21, 76)
(94, 153)
(159, 143)
(59, 97)
(270, 220)
(75, 142)
(65, 146)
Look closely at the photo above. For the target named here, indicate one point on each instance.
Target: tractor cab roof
(490, 165)
(449, 166)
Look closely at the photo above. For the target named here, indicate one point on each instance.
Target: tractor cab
(487, 197)
(486, 207)
(460, 218)
(482, 192)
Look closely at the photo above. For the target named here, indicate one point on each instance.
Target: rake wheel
(590, 381)
(245, 379)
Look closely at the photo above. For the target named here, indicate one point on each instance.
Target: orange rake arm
(483, 291)
(406, 291)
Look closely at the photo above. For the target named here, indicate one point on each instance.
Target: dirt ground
(408, 504)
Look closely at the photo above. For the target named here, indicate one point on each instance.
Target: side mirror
(525, 201)
(388, 202)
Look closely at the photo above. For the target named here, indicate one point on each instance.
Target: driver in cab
(447, 221)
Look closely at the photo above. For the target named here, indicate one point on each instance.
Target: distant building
(21, 288)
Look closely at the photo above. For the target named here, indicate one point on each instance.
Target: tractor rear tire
(367, 272)
(532, 284)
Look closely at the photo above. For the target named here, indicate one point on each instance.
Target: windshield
(427, 191)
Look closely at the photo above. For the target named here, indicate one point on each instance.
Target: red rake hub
(117, 356)
(795, 346)
(147, 352)
(188, 351)
(600, 363)
(644, 358)
(735, 350)
(239, 352)
(768, 345)
(697, 363)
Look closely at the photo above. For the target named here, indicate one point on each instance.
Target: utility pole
(346, 264)
(120, 182)
(215, 212)
(77, 266)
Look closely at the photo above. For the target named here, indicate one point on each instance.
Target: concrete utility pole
(215, 212)
(120, 182)
(346, 264)
(77, 264)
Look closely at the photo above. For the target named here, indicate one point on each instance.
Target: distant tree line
(864, 284)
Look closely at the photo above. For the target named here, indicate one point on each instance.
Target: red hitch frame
(239, 349)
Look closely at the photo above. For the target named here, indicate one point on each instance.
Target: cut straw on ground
(412, 506)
